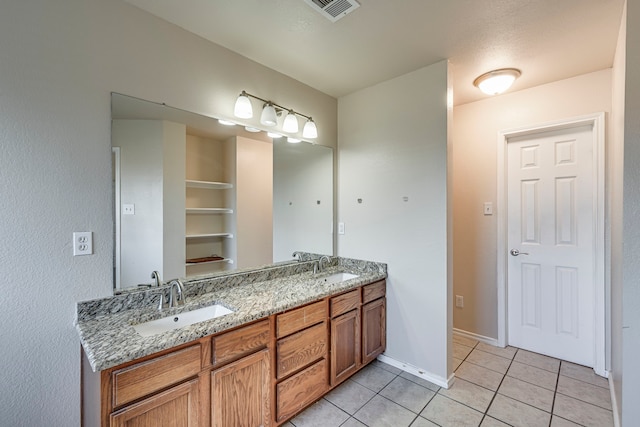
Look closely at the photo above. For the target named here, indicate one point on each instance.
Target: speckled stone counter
(105, 325)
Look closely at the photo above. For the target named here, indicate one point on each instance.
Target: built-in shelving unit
(205, 211)
(209, 184)
(217, 261)
(210, 236)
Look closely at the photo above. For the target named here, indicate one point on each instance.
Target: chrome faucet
(318, 265)
(297, 254)
(156, 277)
(176, 300)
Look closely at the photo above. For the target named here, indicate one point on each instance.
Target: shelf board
(208, 235)
(208, 184)
(203, 211)
(230, 261)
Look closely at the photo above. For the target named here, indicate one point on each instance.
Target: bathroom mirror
(194, 197)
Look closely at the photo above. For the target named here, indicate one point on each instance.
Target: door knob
(515, 252)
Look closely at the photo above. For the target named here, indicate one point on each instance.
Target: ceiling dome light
(497, 81)
(269, 117)
(226, 122)
(243, 107)
(293, 140)
(310, 130)
(290, 124)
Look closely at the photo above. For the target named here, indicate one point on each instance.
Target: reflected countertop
(109, 339)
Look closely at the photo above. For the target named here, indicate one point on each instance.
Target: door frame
(597, 121)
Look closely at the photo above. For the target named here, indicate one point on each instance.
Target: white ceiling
(548, 40)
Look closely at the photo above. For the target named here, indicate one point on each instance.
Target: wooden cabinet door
(345, 346)
(240, 392)
(374, 329)
(176, 407)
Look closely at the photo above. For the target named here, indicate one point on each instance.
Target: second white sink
(338, 277)
(169, 323)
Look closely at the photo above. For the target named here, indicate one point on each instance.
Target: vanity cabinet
(175, 407)
(345, 336)
(241, 389)
(240, 392)
(146, 393)
(258, 374)
(301, 358)
(374, 316)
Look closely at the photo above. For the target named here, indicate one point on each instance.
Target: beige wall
(59, 62)
(475, 133)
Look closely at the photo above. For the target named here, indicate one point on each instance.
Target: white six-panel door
(550, 239)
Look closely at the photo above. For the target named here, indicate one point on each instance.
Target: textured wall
(392, 143)
(59, 62)
(631, 230)
(615, 165)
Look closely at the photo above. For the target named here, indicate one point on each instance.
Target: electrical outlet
(459, 301)
(128, 209)
(82, 243)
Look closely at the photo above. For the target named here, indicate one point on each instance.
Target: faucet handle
(163, 303)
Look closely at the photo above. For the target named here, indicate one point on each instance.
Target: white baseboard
(436, 379)
(614, 401)
(477, 337)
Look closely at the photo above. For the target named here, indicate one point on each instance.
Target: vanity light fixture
(270, 113)
(268, 116)
(252, 129)
(290, 124)
(226, 122)
(310, 130)
(292, 140)
(497, 81)
(274, 135)
(243, 107)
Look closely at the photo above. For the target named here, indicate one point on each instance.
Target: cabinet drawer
(345, 302)
(300, 349)
(147, 377)
(373, 291)
(235, 344)
(301, 389)
(300, 318)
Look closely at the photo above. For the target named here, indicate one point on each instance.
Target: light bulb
(243, 107)
(268, 117)
(290, 124)
(497, 81)
(310, 130)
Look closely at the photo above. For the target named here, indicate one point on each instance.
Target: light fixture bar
(245, 93)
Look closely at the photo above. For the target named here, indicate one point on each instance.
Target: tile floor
(494, 387)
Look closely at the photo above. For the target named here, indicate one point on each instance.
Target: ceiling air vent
(333, 9)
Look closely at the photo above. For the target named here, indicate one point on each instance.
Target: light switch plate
(341, 228)
(488, 208)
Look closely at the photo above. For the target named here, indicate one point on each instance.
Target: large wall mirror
(194, 197)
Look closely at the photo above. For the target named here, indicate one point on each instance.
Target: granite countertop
(108, 338)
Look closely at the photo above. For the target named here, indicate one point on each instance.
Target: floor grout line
(485, 414)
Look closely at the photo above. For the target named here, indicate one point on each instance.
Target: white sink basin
(338, 277)
(169, 323)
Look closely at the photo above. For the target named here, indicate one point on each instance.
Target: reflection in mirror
(194, 197)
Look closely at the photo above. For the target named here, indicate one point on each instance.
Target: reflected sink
(338, 277)
(169, 323)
